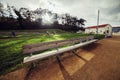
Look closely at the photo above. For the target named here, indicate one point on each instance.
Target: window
(103, 32)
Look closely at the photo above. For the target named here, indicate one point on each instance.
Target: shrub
(99, 36)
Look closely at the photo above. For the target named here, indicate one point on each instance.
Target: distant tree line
(12, 18)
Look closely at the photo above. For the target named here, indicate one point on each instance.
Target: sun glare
(46, 19)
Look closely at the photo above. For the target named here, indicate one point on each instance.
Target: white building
(105, 29)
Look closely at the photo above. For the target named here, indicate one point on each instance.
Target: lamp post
(97, 21)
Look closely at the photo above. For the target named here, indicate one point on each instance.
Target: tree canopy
(24, 18)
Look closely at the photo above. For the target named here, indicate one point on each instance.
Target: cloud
(109, 10)
(87, 9)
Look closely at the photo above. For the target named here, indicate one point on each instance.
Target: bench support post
(30, 54)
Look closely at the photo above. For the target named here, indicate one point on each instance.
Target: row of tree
(24, 18)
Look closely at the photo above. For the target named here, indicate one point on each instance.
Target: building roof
(115, 29)
(99, 26)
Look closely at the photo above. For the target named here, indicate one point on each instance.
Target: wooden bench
(72, 44)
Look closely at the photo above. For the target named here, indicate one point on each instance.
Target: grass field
(11, 47)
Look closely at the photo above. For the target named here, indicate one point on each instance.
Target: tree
(81, 22)
(65, 18)
(1, 10)
(74, 21)
(9, 11)
(2, 13)
(20, 18)
(26, 14)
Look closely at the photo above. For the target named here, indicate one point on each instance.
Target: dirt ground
(97, 61)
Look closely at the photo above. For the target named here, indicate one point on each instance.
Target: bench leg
(57, 58)
(32, 65)
(29, 70)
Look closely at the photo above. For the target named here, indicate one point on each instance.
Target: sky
(86, 9)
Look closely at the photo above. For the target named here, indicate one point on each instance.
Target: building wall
(94, 30)
(107, 30)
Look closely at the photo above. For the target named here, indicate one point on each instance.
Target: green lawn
(11, 48)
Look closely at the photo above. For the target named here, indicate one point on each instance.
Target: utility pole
(97, 21)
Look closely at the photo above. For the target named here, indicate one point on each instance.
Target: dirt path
(98, 61)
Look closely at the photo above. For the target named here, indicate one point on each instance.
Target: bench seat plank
(54, 44)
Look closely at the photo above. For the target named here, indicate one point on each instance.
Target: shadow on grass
(10, 63)
(9, 60)
(12, 44)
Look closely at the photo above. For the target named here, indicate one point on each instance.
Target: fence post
(72, 42)
(56, 46)
(80, 40)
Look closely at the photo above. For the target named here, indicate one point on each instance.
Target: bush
(99, 36)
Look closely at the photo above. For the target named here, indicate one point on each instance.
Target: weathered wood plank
(46, 43)
(54, 44)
